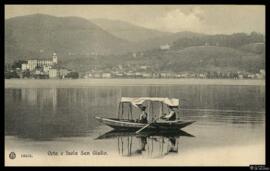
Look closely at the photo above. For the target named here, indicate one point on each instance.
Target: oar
(147, 125)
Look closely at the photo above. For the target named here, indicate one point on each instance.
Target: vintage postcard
(134, 85)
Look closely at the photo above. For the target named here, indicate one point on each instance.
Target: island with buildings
(39, 69)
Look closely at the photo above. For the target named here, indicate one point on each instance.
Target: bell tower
(54, 58)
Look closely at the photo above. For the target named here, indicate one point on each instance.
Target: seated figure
(143, 115)
(171, 116)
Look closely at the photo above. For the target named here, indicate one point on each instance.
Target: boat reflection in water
(149, 144)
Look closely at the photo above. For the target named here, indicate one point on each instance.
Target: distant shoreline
(80, 83)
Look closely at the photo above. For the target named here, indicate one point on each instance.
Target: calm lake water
(39, 120)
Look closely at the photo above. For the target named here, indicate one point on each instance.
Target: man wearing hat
(143, 116)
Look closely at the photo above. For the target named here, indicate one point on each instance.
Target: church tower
(54, 58)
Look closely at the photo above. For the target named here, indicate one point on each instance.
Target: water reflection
(148, 144)
(46, 113)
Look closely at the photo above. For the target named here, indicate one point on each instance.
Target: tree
(26, 74)
(11, 74)
(72, 75)
(17, 64)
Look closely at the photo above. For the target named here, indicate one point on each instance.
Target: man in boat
(143, 115)
(171, 116)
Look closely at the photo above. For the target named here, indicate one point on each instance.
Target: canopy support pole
(122, 108)
(149, 103)
(130, 107)
(152, 108)
(161, 109)
(119, 108)
(128, 114)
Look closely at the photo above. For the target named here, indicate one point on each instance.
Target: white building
(106, 75)
(165, 47)
(119, 74)
(25, 67)
(54, 58)
(130, 74)
(262, 72)
(163, 75)
(251, 76)
(138, 74)
(202, 75)
(146, 75)
(53, 73)
(34, 63)
(37, 72)
(143, 67)
(46, 68)
(63, 73)
(44, 62)
(240, 76)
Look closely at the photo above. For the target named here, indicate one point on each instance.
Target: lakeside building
(106, 75)
(45, 67)
(262, 72)
(138, 75)
(131, 74)
(97, 75)
(119, 75)
(32, 64)
(53, 73)
(167, 75)
(165, 47)
(63, 72)
(202, 75)
(144, 67)
(58, 73)
(147, 75)
(156, 75)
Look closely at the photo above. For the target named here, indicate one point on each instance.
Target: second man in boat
(171, 116)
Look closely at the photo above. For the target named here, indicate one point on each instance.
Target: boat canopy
(136, 101)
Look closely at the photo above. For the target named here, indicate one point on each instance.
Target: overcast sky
(171, 18)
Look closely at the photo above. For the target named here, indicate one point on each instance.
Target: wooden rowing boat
(153, 117)
(132, 125)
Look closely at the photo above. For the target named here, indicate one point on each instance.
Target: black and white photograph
(134, 85)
